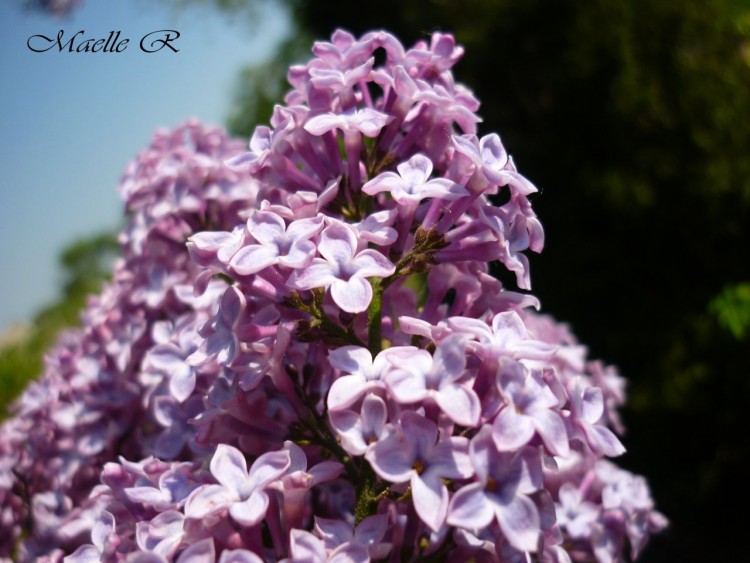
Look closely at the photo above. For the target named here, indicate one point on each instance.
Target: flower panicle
(302, 355)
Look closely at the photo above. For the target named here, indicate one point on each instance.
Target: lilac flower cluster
(303, 357)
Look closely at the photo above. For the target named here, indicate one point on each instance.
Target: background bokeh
(633, 119)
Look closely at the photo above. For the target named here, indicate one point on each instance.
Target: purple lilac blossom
(415, 454)
(343, 269)
(412, 184)
(239, 490)
(302, 355)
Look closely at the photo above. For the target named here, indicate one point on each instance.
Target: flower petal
(102, 528)
(182, 383)
(323, 123)
(351, 359)
(318, 274)
(551, 428)
(603, 440)
(345, 391)
(353, 296)
(470, 509)
(338, 243)
(511, 430)
(592, 405)
(450, 458)
(370, 263)
(519, 521)
(88, 553)
(405, 386)
(239, 556)
(374, 415)
(269, 467)
(460, 403)
(250, 511)
(391, 459)
(300, 255)
(146, 495)
(200, 552)
(416, 170)
(371, 529)
(385, 182)
(430, 497)
(333, 532)
(253, 258)
(206, 500)
(350, 553)
(325, 471)
(306, 547)
(266, 227)
(229, 468)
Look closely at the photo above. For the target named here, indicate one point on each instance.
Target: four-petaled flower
(358, 432)
(529, 407)
(221, 342)
(364, 373)
(575, 514)
(412, 184)
(239, 490)
(438, 377)
(343, 269)
(500, 493)
(490, 158)
(288, 246)
(587, 408)
(367, 121)
(415, 455)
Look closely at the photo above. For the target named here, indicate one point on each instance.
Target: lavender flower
(530, 407)
(438, 378)
(501, 493)
(358, 431)
(343, 269)
(412, 184)
(277, 244)
(415, 454)
(239, 490)
(364, 373)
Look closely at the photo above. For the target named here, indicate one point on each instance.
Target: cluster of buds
(303, 356)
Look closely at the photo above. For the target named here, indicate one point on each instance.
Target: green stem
(375, 318)
(315, 310)
(419, 258)
(367, 499)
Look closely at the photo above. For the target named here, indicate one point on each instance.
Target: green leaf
(732, 309)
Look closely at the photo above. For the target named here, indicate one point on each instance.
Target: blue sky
(70, 122)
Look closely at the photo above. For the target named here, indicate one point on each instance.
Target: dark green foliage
(732, 309)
